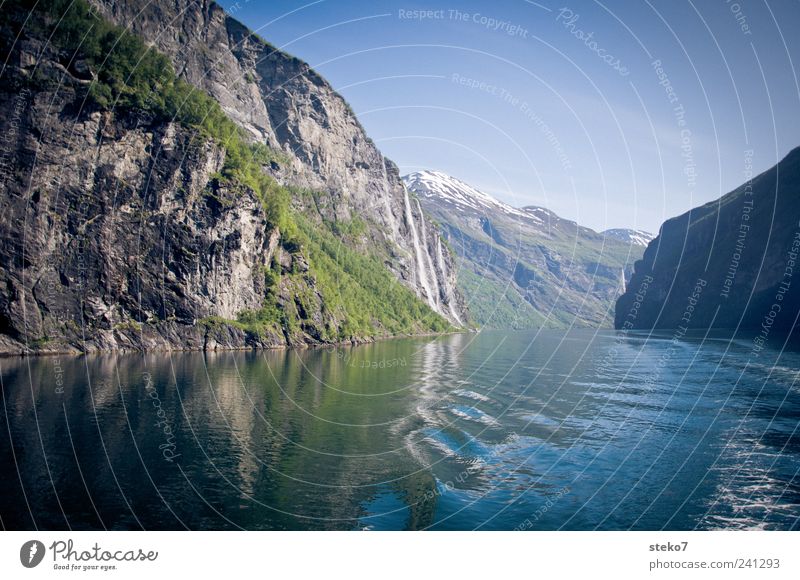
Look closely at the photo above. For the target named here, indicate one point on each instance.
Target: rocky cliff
(729, 264)
(526, 267)
(112, 237)
(287, 105)
(126, 229)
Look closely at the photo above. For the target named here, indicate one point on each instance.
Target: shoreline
(223, 348)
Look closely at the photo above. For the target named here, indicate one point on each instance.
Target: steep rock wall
(290, 107)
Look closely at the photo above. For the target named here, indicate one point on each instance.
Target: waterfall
(427, 255)
(423, 273)
(624, 286)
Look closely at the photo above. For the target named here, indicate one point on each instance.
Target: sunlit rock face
(290, 107)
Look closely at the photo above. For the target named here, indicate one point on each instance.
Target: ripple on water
(473, 414)
(470, 395)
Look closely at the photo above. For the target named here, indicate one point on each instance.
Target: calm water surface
(550, 430)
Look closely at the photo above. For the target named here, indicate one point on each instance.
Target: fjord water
(528, 430)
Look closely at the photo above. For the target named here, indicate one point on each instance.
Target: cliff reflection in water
(275, 439)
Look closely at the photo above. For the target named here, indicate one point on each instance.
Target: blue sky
(561, 104)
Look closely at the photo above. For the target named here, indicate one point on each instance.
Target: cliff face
(288, 106)
(121, 230)
(728, 264)
(107, 224)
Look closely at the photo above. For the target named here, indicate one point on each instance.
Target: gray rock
(288, 106)
(113, 237)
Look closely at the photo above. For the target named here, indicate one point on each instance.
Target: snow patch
(635, 237)
(442, 186)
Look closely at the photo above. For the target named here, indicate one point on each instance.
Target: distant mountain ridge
(527, 267)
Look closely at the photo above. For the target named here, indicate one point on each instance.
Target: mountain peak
(456, 195)
(453, 191)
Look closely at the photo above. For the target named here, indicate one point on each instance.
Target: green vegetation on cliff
(359, 290)
(351, 293)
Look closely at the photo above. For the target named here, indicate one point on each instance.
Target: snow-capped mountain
(635, 237)
(526, 267)
(447, 189)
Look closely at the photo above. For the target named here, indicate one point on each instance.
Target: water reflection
(532, 430)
